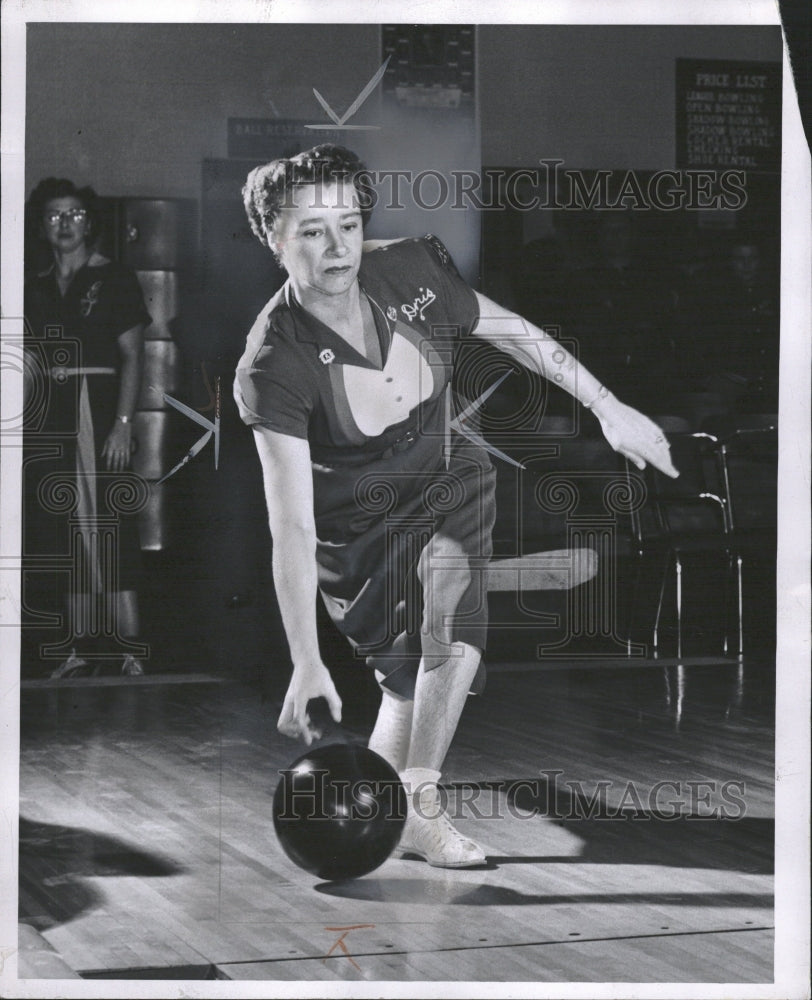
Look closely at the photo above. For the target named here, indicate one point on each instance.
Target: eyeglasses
(72, 215)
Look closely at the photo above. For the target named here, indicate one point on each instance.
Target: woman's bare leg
(127, 616)
(129, 625)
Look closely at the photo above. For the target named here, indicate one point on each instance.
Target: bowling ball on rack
(339, 811)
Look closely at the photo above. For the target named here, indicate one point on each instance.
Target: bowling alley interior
(617, 186)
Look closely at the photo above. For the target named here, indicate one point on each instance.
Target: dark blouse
(81, 330)
(102, 301)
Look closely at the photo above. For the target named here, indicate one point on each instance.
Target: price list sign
(728, 115)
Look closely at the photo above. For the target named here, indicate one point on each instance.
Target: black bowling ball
(339, 811)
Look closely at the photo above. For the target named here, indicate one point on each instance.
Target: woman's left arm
(118, 446)
(628, 431)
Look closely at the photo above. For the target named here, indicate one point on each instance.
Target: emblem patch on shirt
(391, 314)
(419, 304)
(326, 356)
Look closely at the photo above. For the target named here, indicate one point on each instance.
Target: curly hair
(265, 189)
(51, 188)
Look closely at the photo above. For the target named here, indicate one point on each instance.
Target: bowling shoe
(428, 832)
(72, 667)
(131, 667)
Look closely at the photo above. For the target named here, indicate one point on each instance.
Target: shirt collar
(94, 260)
(291, 318)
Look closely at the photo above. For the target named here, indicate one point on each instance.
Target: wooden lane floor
(627, 814)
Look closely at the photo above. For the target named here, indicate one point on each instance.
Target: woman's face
(65, 224)
(318, 237)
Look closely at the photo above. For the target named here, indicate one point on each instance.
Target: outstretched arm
(289, 497)
(628, 431)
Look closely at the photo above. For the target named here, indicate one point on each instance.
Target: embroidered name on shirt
(419, 304)
(90, 299)
(326, 356)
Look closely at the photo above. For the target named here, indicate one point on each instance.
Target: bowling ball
(339, 811)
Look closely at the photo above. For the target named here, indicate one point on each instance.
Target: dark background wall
(133, 108)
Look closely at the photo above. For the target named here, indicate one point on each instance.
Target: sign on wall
(268, 138)
(728, 115)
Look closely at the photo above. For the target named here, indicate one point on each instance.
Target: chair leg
(660, 602)
(678, 575)
(633, 604)
(726, 636)
(740, 598)
(680, 694)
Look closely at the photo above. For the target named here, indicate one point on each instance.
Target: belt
(335, 458)
(402, 444)
(60, 372)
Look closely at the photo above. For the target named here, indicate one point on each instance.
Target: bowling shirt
(403, 505)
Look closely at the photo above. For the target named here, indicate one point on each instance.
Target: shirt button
(388, 378)
(398, 399)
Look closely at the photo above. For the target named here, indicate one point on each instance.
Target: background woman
(372, 497)
(93, 371)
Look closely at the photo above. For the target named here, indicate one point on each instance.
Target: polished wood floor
(627, 813)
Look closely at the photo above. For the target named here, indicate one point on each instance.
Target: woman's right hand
(312, 681)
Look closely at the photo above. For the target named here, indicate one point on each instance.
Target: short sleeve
(127, 307)
(461, 301)
(271, 390)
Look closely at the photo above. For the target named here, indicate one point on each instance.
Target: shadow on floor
(56, 860)
(691, 826)
(429, 891)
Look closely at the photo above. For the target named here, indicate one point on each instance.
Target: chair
(747, 458)
(685, 516)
